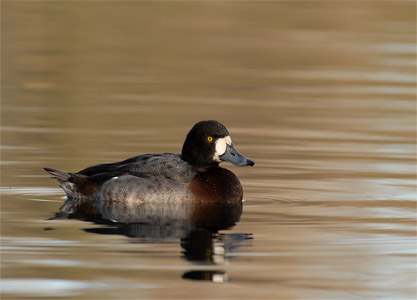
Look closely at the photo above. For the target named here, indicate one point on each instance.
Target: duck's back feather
(164, 165)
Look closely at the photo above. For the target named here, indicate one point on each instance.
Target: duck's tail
(75, 188)
(74, 195)
(64, 181)
(77, 185)
(61, 176)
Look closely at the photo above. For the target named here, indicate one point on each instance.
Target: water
(320, 94)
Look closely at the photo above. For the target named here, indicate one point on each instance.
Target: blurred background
(320, 94)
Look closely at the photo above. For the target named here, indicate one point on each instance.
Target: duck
(157, 179)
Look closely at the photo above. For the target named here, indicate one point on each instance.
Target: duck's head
(208, 143)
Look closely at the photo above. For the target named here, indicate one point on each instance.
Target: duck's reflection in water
(196, 224)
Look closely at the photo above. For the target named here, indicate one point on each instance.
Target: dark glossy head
(208, 143)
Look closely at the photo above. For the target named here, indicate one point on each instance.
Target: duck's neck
(197, 164)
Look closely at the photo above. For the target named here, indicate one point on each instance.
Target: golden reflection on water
(320, 94)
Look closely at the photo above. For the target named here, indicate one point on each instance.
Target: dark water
(320, 94)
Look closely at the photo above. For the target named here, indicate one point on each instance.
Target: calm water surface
(320, 94)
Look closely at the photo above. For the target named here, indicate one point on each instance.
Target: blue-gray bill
(233, 156)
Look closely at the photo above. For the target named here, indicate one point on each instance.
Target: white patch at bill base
(221, 146)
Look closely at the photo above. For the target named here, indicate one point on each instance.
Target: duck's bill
(233, 156)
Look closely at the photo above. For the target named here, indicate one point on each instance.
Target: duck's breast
(217, 185)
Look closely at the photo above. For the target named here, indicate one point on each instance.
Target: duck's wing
(164, 165)
(111, 167)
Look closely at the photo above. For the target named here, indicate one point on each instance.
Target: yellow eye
(210, 139)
